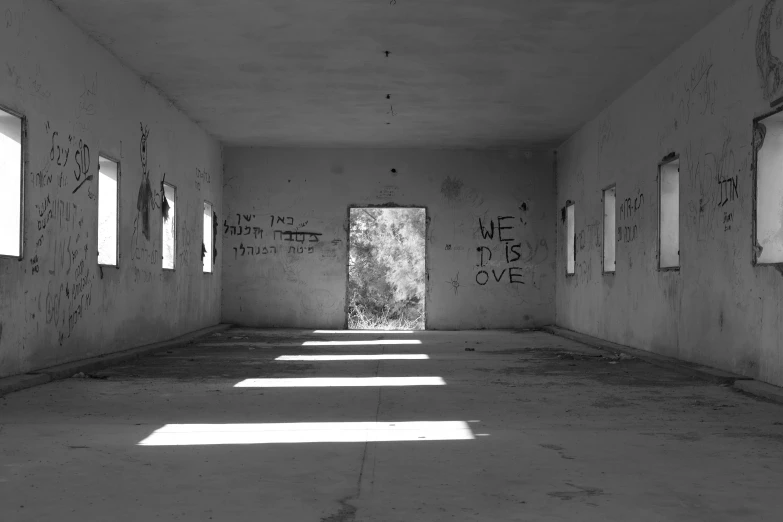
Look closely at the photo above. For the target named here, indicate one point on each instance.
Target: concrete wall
(718, 309)
(270, 279)
(56, 304)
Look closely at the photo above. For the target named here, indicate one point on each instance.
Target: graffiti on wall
(769, 66)
(512, 258)
(713, 178)
(631, 213)
(275, 229)
(202, 177)
(146, 199)
(591, 235)
(699, 89)
(61, 252)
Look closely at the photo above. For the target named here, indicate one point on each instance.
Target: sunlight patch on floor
(360, 343)
(306, 432)
(390, 332)
(328, 382)
(376, 357)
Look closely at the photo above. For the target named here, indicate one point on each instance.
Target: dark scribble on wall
(451, 188)
(144, 200)
(769, 66)
(759, 135)
(214, 236)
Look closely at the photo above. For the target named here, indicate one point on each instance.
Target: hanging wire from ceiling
(388, 96)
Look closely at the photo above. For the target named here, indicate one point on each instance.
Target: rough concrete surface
(62, 371)
(562, 432)
(762, 389)
(490, 246)
(720, 309)
(312, 73)
(20, 382)
(696, 370)
(79, 103)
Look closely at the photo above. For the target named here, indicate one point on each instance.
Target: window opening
(570, 240)
(169, 226)
(108, 217)
(11, 185)
(669, 210)
(610, 239)
(206, 247)
(768, 144)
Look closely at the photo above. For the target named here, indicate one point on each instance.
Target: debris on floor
(470, 349)
(82, 375)
(617, 357)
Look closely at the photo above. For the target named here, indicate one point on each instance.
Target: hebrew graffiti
(249, 227)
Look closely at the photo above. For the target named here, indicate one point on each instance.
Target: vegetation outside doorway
(387, 268)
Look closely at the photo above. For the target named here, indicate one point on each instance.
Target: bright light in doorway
(391, 332)
(360, 343)
(377, 357)
(306, 432)
(329, 382)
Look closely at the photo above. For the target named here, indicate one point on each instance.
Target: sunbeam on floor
(388, 332)
(375, 357)
(361, 343)
(329, 382)
(306, 432)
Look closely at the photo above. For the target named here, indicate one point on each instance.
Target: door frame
(426, 254)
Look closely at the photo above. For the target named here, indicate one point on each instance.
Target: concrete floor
(563, 432)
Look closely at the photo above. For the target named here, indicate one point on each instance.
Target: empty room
(391, 260)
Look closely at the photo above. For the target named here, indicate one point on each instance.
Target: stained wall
(56, 303)
(718, 309)
(285, 232)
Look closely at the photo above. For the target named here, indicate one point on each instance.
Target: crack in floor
(347, 512)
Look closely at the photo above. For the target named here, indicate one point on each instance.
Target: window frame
(669, 159)
(119, 210)
(572, 204)
(754, 175)
(163, 223)
(22, 180)
(604, 271)
(212, 234)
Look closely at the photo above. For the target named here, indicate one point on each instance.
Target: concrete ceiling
(476, 73)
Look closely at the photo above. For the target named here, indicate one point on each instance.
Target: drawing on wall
(164, 205)
(769, 66)
(144, 200)
(214, 236)
(451, 188)
(455, 284)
